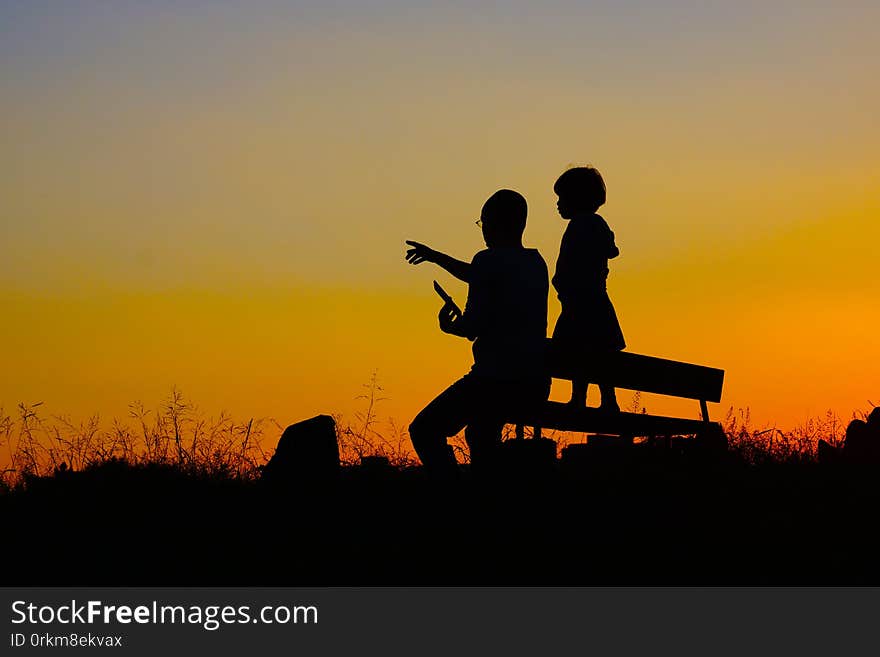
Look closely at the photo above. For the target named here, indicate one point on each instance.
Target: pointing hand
(419, 253)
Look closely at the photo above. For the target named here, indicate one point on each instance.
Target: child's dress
(588, 323)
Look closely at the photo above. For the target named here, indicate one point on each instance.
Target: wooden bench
(631, 372)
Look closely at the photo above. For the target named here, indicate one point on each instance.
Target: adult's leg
(483, 436)
(445, 416)
(497, 399)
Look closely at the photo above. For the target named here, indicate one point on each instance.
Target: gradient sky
(215, 195)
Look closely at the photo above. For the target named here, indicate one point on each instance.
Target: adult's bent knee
(421, 435)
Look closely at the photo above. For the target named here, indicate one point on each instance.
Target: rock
(826, 453)
(307, 450)
(862, 443)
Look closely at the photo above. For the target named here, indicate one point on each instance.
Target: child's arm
(613, 251)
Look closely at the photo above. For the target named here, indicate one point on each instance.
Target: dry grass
(175, 434)
(757, 445)
(364, 437)
(178, 434)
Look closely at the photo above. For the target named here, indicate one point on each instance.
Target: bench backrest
(644, 373)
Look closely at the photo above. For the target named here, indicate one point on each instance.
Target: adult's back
(507, 312)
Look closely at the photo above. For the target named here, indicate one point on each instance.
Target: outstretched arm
(419, 253)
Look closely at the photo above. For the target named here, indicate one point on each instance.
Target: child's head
(580, 190)
(503, 218)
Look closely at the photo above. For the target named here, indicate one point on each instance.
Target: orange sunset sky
(215, 195)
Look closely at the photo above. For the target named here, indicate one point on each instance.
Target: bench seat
(564, 417)
(632, 372)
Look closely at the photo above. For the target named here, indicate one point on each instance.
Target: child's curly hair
(582, 187)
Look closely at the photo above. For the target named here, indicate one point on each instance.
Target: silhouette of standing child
(587, 326)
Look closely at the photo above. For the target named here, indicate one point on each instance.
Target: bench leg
(537, 434)
(704, 410)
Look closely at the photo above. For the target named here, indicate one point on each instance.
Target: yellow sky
(218, 200)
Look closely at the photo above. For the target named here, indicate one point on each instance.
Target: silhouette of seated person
(506, 318)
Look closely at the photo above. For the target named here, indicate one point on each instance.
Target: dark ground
(655, 519)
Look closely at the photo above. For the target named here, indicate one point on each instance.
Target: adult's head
(581, 190)
(503, 218)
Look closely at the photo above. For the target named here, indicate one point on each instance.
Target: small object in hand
(447, 299)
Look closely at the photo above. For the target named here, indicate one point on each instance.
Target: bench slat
(645, 373)
(565, 418)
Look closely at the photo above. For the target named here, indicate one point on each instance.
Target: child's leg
(579, 392)
(609, 398)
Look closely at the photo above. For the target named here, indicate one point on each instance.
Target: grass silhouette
(179, 435)
(175, 497)
(176, 434)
